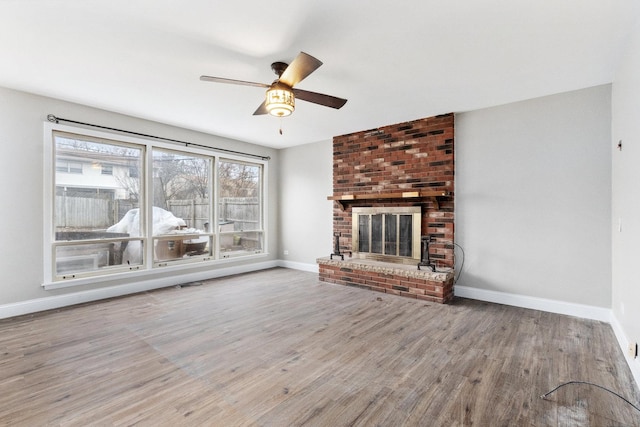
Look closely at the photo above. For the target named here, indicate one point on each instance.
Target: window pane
(181, 187)
(88, 204)
(239, 208)
(89, 257)
(239, 192)
(240, 243)
(181, 246)
(181, 190)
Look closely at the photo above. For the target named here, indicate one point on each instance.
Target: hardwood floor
(280, 348)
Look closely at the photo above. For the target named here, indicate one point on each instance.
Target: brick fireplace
(406, 165)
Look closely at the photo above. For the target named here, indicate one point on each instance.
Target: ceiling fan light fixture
(280, 101)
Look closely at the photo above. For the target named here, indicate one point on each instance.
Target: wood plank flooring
(280, 348)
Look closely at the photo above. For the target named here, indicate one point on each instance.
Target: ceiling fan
(281, 94)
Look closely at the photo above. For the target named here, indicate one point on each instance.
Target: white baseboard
(552, 306)
(58, 301)
(634, 364)
(311, 268)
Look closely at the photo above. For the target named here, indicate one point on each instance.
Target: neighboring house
(95, 175)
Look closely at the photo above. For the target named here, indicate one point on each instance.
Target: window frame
(261, 191)
(148, 266)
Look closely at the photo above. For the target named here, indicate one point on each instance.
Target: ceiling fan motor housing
(279, 67)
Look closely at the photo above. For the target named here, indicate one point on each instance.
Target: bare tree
(177, 176)
(197, 169)
(238, 179)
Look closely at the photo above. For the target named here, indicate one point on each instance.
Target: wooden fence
(89, 213)
(95, 213)
(194, 212)
(242, 212)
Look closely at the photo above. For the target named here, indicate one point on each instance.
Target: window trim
(148, 267)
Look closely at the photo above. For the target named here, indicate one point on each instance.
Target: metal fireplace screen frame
(387, 233)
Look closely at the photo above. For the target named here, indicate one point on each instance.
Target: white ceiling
(393, 60)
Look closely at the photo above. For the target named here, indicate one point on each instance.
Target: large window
(155, 208)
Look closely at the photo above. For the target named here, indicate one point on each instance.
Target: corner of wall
(623, 341)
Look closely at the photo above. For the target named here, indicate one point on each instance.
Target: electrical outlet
(633, 350)
(286, 252)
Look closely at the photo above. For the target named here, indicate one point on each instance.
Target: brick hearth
(396, 279)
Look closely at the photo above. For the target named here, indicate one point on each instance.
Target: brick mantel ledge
(396, 279)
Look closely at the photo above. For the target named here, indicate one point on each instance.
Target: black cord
(455, 279)
(544, 396)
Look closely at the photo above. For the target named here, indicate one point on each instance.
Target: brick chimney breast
(396, 160)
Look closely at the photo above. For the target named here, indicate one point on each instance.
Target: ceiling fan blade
(262, 109)
(319, 98)
(231, 81)
(299, 69)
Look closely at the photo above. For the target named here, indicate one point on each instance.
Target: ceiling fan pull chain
(280, 125)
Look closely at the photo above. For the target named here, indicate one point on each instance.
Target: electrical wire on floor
(544, 396)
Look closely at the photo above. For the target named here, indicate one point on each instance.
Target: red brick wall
(411, 156)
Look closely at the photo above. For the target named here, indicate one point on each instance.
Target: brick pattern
(412, 156)
(424, 289)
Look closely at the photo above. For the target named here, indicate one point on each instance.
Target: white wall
(626, 194)
(306, 179)
(22, 117)
(533, 189)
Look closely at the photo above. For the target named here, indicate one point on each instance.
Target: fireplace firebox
(390, 234)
